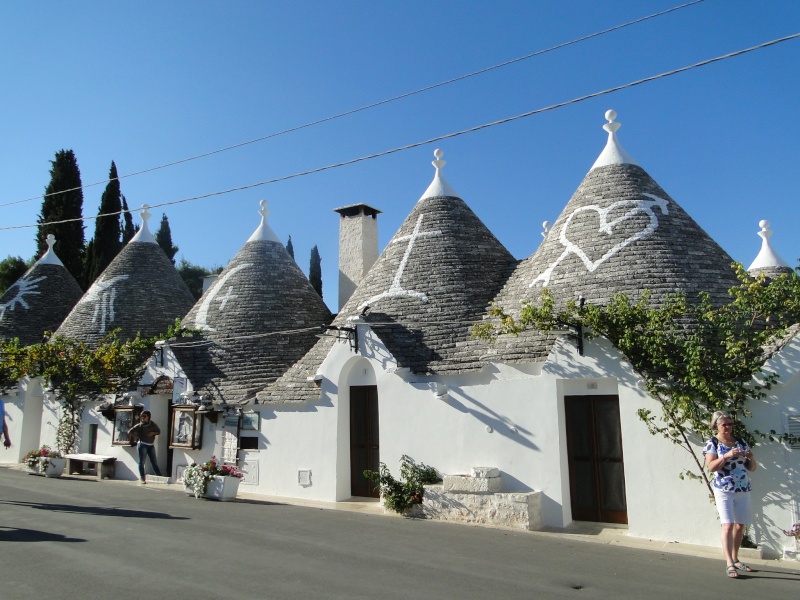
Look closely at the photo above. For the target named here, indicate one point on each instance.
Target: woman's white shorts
(734, 507)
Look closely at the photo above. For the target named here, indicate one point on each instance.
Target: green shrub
(401, 495)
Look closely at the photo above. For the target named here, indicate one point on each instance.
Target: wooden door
(596, 469)
(364, 439)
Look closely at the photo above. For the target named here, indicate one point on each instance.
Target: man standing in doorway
(146, 430)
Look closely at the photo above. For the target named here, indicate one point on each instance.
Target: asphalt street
(82, 539)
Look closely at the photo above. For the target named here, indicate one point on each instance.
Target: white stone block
(517, 510)
(471, 485)
(485, 472)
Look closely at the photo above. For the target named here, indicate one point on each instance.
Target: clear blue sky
(146, 84)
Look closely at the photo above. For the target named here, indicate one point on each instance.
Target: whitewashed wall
(510, 417)
(776, 483)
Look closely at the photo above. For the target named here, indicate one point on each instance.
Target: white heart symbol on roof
(637, 207)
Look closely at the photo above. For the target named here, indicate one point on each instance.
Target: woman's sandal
(731, 572)
(741, 566)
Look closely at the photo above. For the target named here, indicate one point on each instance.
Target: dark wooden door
(596, 469)
(364, 440)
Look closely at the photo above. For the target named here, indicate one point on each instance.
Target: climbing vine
(76, 372)
(694, 356)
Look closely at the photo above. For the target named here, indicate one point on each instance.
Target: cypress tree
(290, 247)
(164, 238)
(130, 229)
(63, 199)
(106, 243)
(315, 271)
(193, 275)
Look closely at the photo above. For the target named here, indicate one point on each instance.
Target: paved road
(70, 538)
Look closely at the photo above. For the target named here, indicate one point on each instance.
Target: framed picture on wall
(124, 418)
(186, 429)
(251, 421)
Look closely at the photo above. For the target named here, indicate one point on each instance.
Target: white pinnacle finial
(546, 228)
(611, 126)
(144, 235)
(438, 163)
(613, 153)
(264, 231)
(439, 186)
(767, 257)
(49, 257)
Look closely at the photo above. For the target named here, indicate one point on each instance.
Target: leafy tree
(193, 275)
(130, 229)
(14, 363)
(63, 200)
(107, 241)
(290, 247)
(11, 269)
(694, 357)
(164, 239)
(76, 372)
(315, 271)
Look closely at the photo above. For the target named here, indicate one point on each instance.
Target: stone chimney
(358, 246)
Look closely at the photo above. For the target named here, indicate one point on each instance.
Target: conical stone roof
(260, 316)
(40, 300)
(620, 232)
(433, 280)
(139, 292)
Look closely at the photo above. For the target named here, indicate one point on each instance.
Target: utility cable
(437, 138)
(369, 106)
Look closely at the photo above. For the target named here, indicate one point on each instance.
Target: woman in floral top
(730, 460)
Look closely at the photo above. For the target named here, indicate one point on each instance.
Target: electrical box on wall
(304, 477)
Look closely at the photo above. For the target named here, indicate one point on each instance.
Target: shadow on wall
(774, 458)
(271, 413)
(491, 419)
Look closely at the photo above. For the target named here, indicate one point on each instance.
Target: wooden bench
(105, 465)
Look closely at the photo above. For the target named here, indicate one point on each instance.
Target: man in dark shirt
(146, 430)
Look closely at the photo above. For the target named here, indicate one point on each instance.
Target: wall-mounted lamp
(317, 379)
(342, 333)
(441, 391)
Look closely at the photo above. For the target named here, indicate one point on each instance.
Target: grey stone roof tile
(38, 302)
(432, 282)
(259, 317)
(140, 292)
(620, 232)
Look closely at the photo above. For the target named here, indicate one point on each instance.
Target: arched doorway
(364, 439)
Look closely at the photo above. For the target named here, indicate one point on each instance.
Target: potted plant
(45, 461)
(401, 496)
(212, 479)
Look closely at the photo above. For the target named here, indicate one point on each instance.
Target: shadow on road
(97, 510)
(13, 534)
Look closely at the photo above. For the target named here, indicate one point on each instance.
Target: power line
(441, 137)
(373, 105)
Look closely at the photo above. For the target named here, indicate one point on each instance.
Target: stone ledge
(516, 510)
(470, 485)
